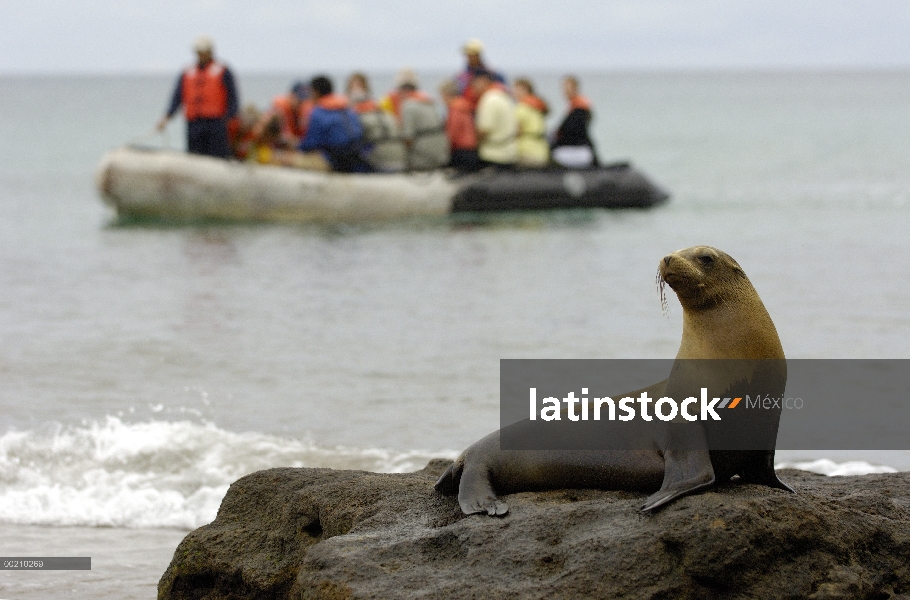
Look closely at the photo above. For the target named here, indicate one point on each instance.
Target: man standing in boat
(473, 50)
(209, 98)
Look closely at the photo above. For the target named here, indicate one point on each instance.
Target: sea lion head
(723, 317)
(703, 277)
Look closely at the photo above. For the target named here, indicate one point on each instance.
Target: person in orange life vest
(209, 100)
(293, 111)
(334, 129)
(383, 147)
(242, 131)
(473, 49)
(571, 145)
(460, 129)
(359, 94)
(405, 88)
(422, 127)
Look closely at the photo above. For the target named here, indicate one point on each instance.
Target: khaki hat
(203, 43)
(473, 46)
(406, 77)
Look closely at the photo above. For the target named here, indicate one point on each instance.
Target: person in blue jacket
(334, 129)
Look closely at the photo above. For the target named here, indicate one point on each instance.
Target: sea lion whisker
(662, 294)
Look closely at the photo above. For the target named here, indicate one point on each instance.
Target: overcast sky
(126, 36)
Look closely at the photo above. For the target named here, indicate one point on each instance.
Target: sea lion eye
(706, 260)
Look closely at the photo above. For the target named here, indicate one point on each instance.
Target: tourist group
(488, 123)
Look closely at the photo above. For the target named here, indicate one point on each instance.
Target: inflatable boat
(165, 184)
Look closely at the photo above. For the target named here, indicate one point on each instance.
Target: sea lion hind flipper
(760, 471)
(476, 494)
(778, 484)
(685, 471)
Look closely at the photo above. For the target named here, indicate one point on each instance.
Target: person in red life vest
(383, 147)
(571, 145)
(473, 50)
(460, 129)
(334, 129)
(209, 98)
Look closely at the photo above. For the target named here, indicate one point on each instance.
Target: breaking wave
(827, 466)
(153, 474)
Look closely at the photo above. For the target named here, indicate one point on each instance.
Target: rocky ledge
(320, 533)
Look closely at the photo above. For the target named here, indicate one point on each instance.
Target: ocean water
(145, 367)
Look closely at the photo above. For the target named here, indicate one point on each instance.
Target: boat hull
(613, 186)
(172, 185)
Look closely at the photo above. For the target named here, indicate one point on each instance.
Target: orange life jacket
(291, 120)
(471, 96)
(204, 93)
(332, 102)
(579, 102)
(398, 97)
(365, 106)
(240, 138)
(306, 107)
(536, 103)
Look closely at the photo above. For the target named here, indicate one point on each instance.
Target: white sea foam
(826, 466)
(153, 474)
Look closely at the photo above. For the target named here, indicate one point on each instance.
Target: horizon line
(656, 70)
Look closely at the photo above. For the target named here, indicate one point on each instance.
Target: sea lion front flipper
(687, 465)
(685, 471)
(476, 495)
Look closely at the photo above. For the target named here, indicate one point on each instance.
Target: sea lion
(723, 319)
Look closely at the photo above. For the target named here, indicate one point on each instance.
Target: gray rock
(320, 533)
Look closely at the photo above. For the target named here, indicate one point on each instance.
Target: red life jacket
(233, 130)
(460, 125)
(204, 93)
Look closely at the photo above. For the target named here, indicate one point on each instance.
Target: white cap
(203, 43)
(407, 77)
(472, 46)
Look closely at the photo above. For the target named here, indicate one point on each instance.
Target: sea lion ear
(733, 264)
